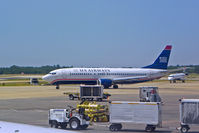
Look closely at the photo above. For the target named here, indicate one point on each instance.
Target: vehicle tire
(108, 117)
(119, 126)
(96, 119)
(149, 128)
(153, 129)
(54, 124)
(83, 127)
(113, 128)
(105, 96)
(184, 129)
(183, 81)
(63, 126)
(51, 125)
(83, 99)
(99, 99)
(115, 86)
(174, 81)
(71, 97)
(74, 124)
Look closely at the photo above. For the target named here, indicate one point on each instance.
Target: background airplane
(178, 76)
(8, 127)
(111, 76)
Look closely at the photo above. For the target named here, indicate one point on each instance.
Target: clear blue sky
(97, 33)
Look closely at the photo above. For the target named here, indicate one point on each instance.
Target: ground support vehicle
(72, 96)
(62, 117)
(95, 111)
(91, 92)
(148, 113)
(189, 114)
(149, 94)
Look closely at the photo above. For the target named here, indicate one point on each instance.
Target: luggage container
(148, 113)
(189, 113)
(149, 94)
(91, 92)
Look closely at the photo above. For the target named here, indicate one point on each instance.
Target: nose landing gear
(57, 86)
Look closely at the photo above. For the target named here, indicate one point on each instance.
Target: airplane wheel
(57, 87)
(115, 86)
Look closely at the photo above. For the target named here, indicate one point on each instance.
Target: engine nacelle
(106, 82)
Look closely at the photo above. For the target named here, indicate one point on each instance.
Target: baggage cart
(91, 92)
(189, 113)
(148, 113)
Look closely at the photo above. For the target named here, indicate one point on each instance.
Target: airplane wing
(8, 127)
(129, 79)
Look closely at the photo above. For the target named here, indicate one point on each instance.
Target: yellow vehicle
(96, 112)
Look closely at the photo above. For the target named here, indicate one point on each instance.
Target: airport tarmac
(30, 105)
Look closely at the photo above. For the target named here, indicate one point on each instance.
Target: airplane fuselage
(92, 75)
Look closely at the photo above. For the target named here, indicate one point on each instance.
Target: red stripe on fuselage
(97, 79)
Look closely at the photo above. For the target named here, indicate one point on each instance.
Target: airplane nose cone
(45, 77)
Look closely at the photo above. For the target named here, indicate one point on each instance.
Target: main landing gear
(115, 86)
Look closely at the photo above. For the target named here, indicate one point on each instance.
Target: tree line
(30, 70)
(46, 69)
(188, 68)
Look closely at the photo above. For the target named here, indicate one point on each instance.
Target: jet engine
(106, 82)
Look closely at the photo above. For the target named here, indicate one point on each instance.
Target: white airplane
(8, 127)
(178, 76)
(111, 76)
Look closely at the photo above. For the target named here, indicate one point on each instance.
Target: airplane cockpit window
(52, 73)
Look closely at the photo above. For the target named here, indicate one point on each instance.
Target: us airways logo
(94, 70)
(163, 59)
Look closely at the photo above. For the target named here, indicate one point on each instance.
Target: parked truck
(148, 113)
(62, 117)
(149, 94)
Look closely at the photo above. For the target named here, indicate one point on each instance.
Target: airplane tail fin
(162, 61)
